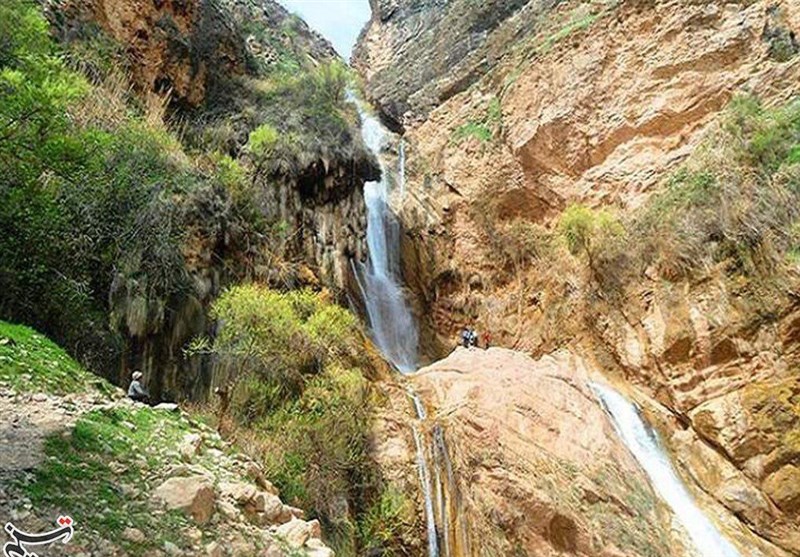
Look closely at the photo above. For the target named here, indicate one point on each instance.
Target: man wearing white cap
(136, 391)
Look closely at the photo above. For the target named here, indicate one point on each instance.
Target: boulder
(315, 528)
(316, 548)
(784, 488)
(272, 508)
(133, 535)
(172, 550)
(295, 532)
(193, 495)
(320, 552)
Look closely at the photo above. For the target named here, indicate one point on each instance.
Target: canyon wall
(511, 117)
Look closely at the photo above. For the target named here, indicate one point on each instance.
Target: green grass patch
(483, 130)
(479, 131)
(91, 474)
(30, 362)
(574, 26)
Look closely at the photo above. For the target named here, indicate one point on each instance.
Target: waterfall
(393, 327)
(643, 442)
(447, 527)
(425, 479)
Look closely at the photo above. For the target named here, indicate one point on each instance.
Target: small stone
(228, 510)
(39, 397)
(193, 534)
(172, 550)
(167, 407)
(214, 550)
(133, 535)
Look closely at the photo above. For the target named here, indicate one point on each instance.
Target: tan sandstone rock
(193, 495)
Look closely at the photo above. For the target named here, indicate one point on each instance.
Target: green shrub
(388, 521)
(319, 451)
(94, 217)
(479, 131)
(585, 230)
(279, 337)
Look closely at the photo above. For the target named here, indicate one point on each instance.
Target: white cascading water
(394, 329)
(642, 441)
(425, 479)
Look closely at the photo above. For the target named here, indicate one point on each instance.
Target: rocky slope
(136, 480)
(541, 469)
(518, 116)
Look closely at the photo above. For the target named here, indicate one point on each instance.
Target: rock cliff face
(191, 49)
(210, 69)
(541, 469)
(547, 104)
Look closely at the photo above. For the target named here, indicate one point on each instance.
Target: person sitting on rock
(136, 390)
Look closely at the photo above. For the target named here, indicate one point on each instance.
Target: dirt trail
(26, 420)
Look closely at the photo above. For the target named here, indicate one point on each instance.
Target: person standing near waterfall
(465, 337)
(473, 338)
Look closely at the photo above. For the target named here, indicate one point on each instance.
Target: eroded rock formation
(517, 116)
(206, 69)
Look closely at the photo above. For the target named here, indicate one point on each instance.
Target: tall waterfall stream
(393, 326)
(394, 331)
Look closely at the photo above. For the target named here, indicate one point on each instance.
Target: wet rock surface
(539, 464)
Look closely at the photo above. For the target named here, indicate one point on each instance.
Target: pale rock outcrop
(193, 495)
(295, 532)
(539, 464)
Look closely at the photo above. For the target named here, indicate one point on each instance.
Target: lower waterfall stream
(643, 443)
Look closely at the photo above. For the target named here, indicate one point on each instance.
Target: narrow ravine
(643, 443)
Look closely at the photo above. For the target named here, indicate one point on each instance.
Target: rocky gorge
(607, 190)
(515, 114)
